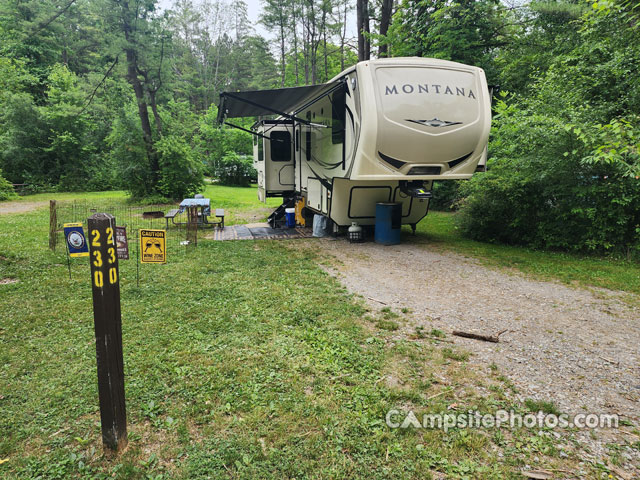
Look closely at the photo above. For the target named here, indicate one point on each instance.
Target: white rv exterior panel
(355, 201)
(421, 113)
(377, 128)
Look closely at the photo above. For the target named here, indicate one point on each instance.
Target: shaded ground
(257, 231)
(576, 348)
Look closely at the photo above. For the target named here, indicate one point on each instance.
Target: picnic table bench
(220, 216)
(171, 214)
(203, 204)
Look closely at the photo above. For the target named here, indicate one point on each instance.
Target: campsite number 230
(98, 262)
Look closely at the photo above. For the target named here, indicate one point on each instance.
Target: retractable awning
(278, 101)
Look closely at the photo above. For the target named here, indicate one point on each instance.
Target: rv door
(258, 164)
(278, 160)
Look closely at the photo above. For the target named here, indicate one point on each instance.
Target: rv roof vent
(425, 171)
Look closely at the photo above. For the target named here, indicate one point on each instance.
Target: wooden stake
(192, 226)
(108, 329)
(53, 224)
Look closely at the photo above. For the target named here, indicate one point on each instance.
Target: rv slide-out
(381, 131)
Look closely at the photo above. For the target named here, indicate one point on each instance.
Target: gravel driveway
(20, 206)
(578, 348)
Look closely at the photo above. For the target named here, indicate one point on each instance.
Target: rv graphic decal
(434, 122)
(425, 88)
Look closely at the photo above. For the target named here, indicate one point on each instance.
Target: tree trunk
(385, 21)
(154, 109)
(143, 110)
(282, 49)
(295, 40)
(367, 42)
(362, 18)
(324, 43)
(360, 23)
(343, 36)
(134, 80)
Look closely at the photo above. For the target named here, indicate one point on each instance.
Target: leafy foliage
(6, 189)
(564, 161)
(571, 202)
(180, 173)
(236, 169)
(459, 30)
(445, 195)
(213, 142)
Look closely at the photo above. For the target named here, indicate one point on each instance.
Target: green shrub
(180, 173)
(128, 151)
(445, 195)
(236, 169)
(6, 189)
(213, 142)
(541, 190)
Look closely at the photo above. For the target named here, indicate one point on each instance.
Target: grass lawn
(242, 360)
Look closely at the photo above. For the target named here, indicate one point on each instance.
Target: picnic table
(204, 212)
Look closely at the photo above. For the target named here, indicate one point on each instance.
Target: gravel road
(20, 207)
(578, 348)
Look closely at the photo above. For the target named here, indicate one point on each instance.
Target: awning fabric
(268, 102)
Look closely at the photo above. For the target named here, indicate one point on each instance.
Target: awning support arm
(253, 133)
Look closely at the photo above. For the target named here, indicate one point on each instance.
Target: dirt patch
(21, 207)
(7, 281)
(577, 348)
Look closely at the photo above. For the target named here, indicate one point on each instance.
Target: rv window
(308, 147)
(260, 150)
(297, 139)
(280, 146)
(338, 114)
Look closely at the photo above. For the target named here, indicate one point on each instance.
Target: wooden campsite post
(53, 224)
(108, 329)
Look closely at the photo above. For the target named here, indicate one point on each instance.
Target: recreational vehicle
(381, 131)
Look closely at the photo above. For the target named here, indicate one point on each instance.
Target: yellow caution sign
(153, 246)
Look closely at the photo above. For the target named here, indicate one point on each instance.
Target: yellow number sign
(153, 246)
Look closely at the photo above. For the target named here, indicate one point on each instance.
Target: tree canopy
(99, 94)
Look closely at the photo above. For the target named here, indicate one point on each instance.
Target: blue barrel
(388, 223)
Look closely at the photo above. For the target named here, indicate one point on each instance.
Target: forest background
(121, 94)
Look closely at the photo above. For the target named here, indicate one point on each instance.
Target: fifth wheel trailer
(381, 131)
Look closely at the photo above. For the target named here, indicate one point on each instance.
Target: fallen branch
(613, 362)
(537, 474)
(442, 392)
(376, 300)
(478, 336)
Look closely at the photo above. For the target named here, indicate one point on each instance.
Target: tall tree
(385, 20)
(362, 19)
(134, 21)
(275, 18)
